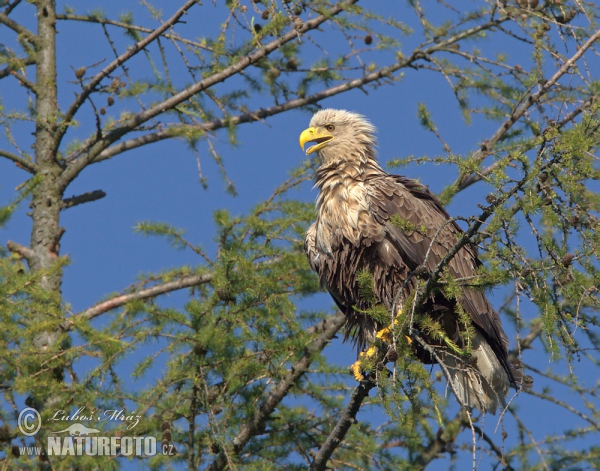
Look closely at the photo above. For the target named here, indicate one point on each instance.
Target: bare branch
(344, 423)
(83, 198)
(328, 327)
(132, 51)
(23, 81)
(19, 29)
(132, 123)
(25, 164)
(23, 251)
(262, 113)
(120, 24)
(118, 301)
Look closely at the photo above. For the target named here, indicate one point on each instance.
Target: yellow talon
(355, 368)
(385, 335)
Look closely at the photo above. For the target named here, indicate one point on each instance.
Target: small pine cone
(526, 272)
(491, 199)
(567, 259)
(392, 355)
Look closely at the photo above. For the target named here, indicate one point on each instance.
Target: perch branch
(344, 423)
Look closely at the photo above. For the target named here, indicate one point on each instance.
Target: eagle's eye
(330, 127)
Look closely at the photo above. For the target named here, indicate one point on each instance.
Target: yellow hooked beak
(318, 135)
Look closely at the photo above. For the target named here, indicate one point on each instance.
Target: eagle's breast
(344, 215)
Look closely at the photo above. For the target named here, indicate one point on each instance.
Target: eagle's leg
(384, 335)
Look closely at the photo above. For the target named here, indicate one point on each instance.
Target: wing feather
(396, 195)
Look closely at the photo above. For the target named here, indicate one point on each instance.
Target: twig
(127, 26)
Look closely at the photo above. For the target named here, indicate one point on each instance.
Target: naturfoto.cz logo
(78, 439)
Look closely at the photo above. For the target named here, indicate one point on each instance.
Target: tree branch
(132, 123)
(19, 29)
(118, 301)
(24, 82)
(443, 438)
(23, 251)
(186, 281)
(25, 164)
(120, 24)
(344, 423)
(132, 51)
(328, 327)
(465, 180)
(83, 198)
(476, 177)
(11, 67)
(262, 113)
(498, 452)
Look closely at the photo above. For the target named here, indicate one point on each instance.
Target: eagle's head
(340, 135)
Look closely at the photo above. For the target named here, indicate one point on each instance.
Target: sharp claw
(355, 368)
(384, 335)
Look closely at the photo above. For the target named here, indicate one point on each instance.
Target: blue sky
(161, 182)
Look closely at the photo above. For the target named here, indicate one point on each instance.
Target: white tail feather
(483, 383)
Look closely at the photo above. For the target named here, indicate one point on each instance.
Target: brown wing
(395, 195)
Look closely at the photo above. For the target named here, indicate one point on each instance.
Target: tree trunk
(47, 195)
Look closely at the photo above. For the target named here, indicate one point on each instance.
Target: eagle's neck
(341, 166)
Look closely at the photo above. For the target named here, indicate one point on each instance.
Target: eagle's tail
(482, 382)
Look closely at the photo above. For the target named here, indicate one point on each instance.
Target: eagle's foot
(385, 336)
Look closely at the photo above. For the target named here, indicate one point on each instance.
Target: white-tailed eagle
(392, 227)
